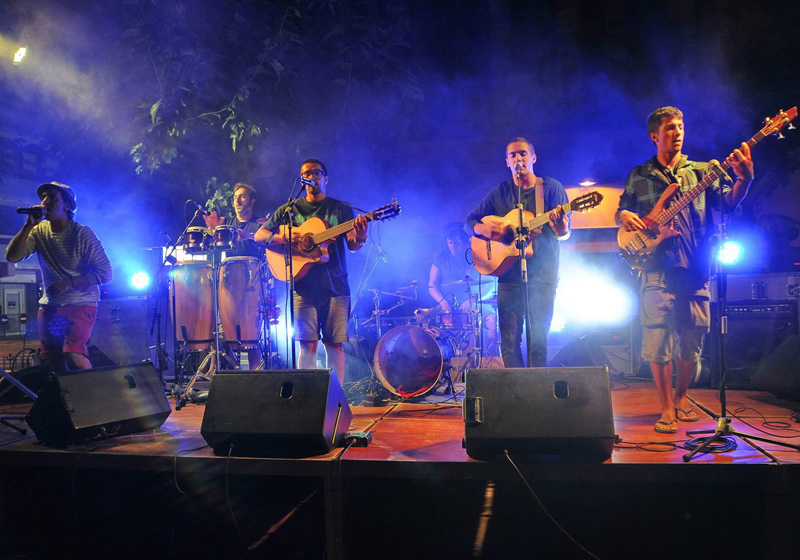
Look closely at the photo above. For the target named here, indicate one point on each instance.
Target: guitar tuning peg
(781, 136)
(791, 126)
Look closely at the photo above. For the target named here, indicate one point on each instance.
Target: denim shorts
(321, 313)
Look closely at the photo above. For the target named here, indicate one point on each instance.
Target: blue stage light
(730, 252)
(140, 280)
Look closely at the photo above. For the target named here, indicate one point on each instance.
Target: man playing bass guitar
(674, 288)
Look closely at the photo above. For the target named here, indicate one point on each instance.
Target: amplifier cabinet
(777, 286)
(755, 330)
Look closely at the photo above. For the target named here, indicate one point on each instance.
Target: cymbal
(411, 287)
(466, 281)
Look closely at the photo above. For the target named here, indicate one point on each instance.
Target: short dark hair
(656, 117)
(520, 139)
(318, 162)
(454, 230)
(246, 187)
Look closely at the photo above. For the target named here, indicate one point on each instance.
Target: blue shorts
(321, 313)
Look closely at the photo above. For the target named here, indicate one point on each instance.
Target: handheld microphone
(307, 182)
(35, 210)
(200, 207)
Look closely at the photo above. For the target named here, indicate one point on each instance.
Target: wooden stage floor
(412, 491)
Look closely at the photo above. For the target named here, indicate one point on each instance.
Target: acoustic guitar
(311, 240)
(494, 258)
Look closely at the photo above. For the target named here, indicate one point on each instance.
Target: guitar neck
(688, 196)
(544, 217)
(338, 230)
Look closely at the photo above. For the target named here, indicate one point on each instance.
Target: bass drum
(241, 299)
(408, 361)
(194, 309)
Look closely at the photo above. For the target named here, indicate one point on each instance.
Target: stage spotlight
(11, 50)
(140, 280)
(20, 54)
(730, 252)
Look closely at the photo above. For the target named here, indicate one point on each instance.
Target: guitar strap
(539, 195)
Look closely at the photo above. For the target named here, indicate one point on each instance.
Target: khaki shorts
(672, 317)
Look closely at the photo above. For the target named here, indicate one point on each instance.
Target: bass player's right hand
(630, 221)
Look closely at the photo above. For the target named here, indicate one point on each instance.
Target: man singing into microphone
(486, 222)
(322, 296)
(74, 265)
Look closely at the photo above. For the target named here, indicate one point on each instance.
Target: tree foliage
(214, 79)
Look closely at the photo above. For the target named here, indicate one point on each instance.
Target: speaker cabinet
(82, 405)
(755, 329)
(280, 413)
(534, 412)
(121, 330)
(780, 372)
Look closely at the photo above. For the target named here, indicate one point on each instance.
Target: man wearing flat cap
(74, 265)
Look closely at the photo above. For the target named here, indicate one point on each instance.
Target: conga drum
(194, 308)
(241, 297)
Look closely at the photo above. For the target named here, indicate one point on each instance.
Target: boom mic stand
(724, 426)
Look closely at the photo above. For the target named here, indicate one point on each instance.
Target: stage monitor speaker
(755, 329)
(780, 372)
(82, 405)
(536, 412)
(121, 330)
(279, 413)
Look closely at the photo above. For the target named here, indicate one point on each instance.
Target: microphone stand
(160, 352)
(724, 426)
(522, 242)
(288, 219)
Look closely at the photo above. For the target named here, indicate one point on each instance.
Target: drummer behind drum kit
(206, 283)
(411, 359)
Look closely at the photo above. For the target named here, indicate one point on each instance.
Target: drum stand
(214, 359)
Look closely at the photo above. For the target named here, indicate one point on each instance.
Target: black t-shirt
(329, 277)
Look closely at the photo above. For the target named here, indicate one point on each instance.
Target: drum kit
(222, 304)
(416, 353)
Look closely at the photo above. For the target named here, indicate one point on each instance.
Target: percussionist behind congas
(245, 221)
(239, 300)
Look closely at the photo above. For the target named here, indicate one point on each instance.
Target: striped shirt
(76, 251)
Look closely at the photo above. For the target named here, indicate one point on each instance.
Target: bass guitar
(639, 248)
(311, 240)
(494, 258)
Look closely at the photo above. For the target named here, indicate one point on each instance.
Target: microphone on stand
(35, 210)
(200, 207)
(724, 177)
(518, 167)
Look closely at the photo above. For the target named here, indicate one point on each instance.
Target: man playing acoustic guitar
(674, 289)
(322, 295)
(486, 222)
